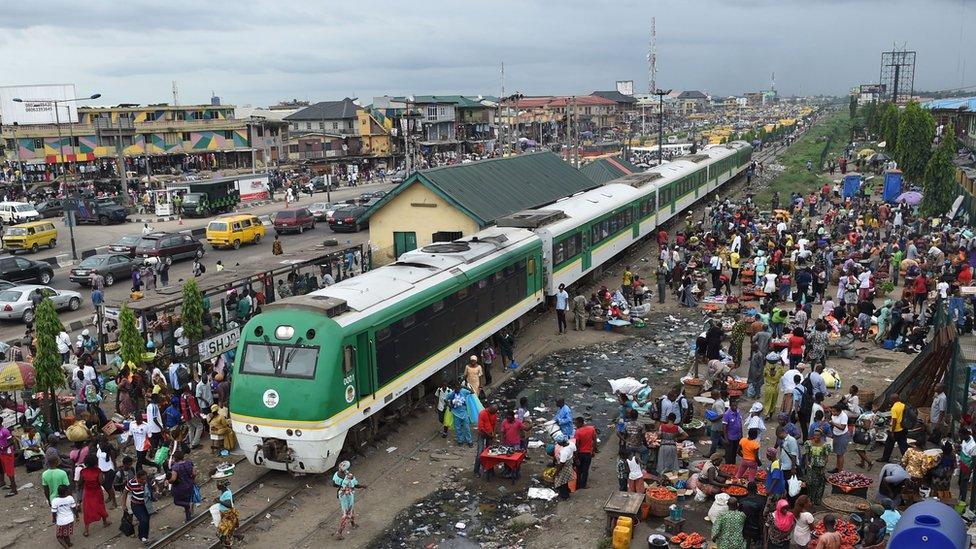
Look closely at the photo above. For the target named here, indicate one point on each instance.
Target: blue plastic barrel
(930, 525)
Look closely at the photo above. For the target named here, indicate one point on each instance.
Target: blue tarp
(892, 185)
(852, 184)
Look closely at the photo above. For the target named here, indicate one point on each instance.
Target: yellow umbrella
(863, 153)
(16, 375)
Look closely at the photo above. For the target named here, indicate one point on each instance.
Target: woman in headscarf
(712, 480)
(816, 462)
(779, 526)
(225, 516)
(771, 377)
(340, 473)
(728, 527)
(755, 419)
(219, 429)
(347, 501)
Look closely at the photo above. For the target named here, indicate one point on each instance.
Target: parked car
(344, 219)
(20, 270)
(4, 284)
(16, 302)
(296, 220)
(12, 213)
(320, 184)
(398, 176)
(127, 244)
(53, 207)
(320, 210)
(169, 247)
(112, 267)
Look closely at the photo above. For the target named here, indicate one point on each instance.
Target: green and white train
(318, 372)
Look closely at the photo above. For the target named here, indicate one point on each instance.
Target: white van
(17, 212)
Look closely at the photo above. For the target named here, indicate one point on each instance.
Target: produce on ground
(661, 493)
(688, 540)
(848, 532)
(849, 479)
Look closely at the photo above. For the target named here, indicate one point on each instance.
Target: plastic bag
(699, 496)
(793, 486)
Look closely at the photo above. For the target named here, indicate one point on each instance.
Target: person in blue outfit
(457, 400)
(564, 418)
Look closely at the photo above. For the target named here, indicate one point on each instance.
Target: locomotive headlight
(284, 332)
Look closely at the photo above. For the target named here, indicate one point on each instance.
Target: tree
(131, 344)
(939, 177)
(192, 311)
(888, 125)
(47, 361)
(916, 130)
(870, 115)
(853, 106)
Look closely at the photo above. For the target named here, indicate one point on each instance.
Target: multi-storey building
(147, 139)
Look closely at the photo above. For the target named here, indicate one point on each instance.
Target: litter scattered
(391, 449)
(535, 444)
(460, 526)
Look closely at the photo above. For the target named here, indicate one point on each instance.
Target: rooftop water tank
(930, 525)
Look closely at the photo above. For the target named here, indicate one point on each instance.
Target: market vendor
(712, 480)
(893, 477)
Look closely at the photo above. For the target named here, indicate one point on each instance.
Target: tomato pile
(661, 493)
(688, 541)
(847, 531)
(736, 491)
(849, 479)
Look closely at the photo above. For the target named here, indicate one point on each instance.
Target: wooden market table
(622, 504)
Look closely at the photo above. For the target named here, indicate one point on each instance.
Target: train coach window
(348, 359)
(382, 334)
(531, 267)
(437, 306)
(408, 321)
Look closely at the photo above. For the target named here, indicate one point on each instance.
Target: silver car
(16, 302)
(320, 210)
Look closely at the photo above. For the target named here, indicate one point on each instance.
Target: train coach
(316, 373)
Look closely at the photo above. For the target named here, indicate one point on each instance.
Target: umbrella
(16, 375)
(912, 198)
(879, 157)
(864, 153)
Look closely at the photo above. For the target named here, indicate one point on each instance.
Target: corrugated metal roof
(327, 110)
(954, 104)
(491, 189)
(607, 169)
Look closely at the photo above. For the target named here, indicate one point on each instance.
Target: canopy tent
(912, 198)
(892, 185)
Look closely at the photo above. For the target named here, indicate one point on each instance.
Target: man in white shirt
(840, 434)
(781, 228)
(967, 453)
(64, 346)
(562, 305)
(139, 430)
(154, 419)
(943, 288)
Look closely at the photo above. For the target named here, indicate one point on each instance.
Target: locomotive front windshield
(280, 360)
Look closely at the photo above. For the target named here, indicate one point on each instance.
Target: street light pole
(660, 124)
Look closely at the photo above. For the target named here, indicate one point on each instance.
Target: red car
(296, 220)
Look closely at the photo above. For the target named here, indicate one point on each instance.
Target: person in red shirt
(512, 430)
(585, 447)
(965, 277)
(921, 291)
(487, 420)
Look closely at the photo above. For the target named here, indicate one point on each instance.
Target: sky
(258, 52)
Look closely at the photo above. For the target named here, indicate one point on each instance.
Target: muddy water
(468, 512)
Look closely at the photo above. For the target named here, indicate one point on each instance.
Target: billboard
(33, 110)
(625, 87)
(875, 89)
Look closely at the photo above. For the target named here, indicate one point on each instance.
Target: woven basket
(660, 508)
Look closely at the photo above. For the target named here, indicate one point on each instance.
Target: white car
(16, 303)
(321, 210)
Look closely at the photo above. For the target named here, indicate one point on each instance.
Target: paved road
(93, 236)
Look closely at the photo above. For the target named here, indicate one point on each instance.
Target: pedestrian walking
(7, 444)
(579, 313)
(134, 503)
(190, 411)
(63, 516)
(347, 503)
(182, 483)
(93, 502)
(276, 246)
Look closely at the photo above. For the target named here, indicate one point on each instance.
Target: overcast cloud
(261, 51)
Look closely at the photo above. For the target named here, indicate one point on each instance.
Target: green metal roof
(491, 189)
(605, 170)
(461, 101)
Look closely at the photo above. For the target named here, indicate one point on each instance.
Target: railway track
(254, 501)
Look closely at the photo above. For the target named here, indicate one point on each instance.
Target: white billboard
(625, 87)
(34, 109)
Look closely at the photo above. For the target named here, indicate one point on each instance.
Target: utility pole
(660, 125)
(501, 113)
